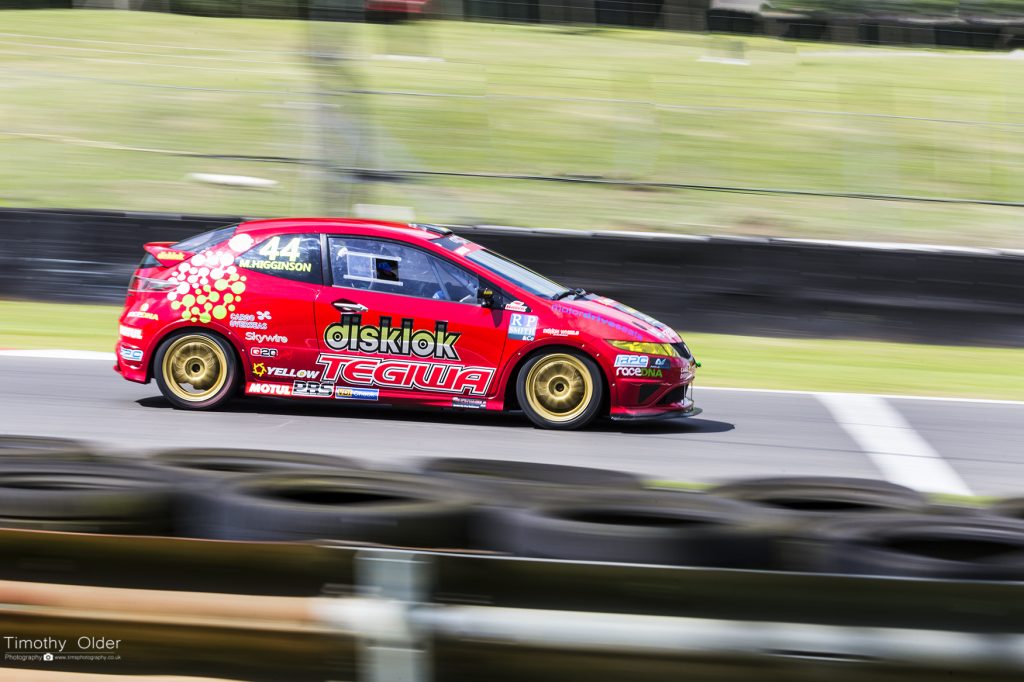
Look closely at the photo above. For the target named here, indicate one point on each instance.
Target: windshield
(516, 273)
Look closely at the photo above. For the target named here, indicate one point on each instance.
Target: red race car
(360, 310)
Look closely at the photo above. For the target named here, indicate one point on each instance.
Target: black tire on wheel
(202, 357)
(94, 497)
(560, 389)
(912, 545)
(400, 510)
(689, 529)
(15, 448)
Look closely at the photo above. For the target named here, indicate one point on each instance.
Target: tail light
(140, 284)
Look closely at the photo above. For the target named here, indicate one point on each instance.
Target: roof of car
(359, 226)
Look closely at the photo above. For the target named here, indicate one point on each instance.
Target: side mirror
(486, 297)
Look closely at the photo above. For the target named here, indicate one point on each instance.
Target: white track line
(59, 354)
(903, 456)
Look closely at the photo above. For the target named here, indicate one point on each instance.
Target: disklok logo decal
(351, 335)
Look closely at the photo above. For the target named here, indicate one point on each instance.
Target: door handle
(349, 307)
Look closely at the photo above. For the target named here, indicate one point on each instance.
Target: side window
(457, 284)
(376, 265)
(292, 256)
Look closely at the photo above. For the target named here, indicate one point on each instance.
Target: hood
(618, 320)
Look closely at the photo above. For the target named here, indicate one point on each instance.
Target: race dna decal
(352, 335)
(401, 373)
(641, 372)
(522, 327)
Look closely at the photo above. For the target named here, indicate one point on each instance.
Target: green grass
(738, 361)
(87, 124)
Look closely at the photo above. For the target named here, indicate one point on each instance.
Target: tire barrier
(708, 284)
(688, 529)
(84, 497)
(509, 482)
(65, 449)
(399, 510)
(920, 546)
(538, 510)
(816, 496)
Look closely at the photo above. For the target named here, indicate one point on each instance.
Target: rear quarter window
(290, 256)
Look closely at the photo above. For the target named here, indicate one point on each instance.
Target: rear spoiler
(165, 255)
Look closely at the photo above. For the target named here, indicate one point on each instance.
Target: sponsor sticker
(351, 393)
(587, 315)
(352, 335)
(131, 354)
(312, 389)
(170, 255)
(522, 327)
(130, 332)
(641, 372)
(265, 338)
(631, 360)
(246, 321)
(403, 373)
(560, 332)
(469, 403)
(660, 363)
(289, 373)
(143, 313)
(517, 307)
(263, 352)
(288, 266)
(261, 388)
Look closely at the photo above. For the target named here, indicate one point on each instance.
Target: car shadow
(514, 419)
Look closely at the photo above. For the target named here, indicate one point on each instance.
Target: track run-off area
(961, 447)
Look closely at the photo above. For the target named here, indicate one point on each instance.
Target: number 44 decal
(271, 249)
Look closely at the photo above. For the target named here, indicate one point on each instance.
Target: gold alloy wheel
(195, 368)
(559, 387)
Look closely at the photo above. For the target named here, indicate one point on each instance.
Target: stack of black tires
(803, 524)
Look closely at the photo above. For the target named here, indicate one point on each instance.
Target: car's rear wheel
(196, 370)
(560, 390)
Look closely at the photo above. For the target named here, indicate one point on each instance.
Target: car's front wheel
(560, 390)
(196, 370)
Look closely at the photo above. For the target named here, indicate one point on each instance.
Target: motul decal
(259, 388)
(384, 339)
(427, 376)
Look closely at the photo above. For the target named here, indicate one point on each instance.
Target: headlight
(645, 347)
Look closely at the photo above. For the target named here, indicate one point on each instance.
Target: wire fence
(463, 122)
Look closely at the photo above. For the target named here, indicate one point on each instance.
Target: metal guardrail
(397, 614)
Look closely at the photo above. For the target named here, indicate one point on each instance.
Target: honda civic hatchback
(375, 312)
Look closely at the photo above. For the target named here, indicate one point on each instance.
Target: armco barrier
(392, 621)
(713, 284)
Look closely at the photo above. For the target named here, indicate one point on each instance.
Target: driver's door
(401, 323)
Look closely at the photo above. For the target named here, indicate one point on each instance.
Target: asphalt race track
(943, 445)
